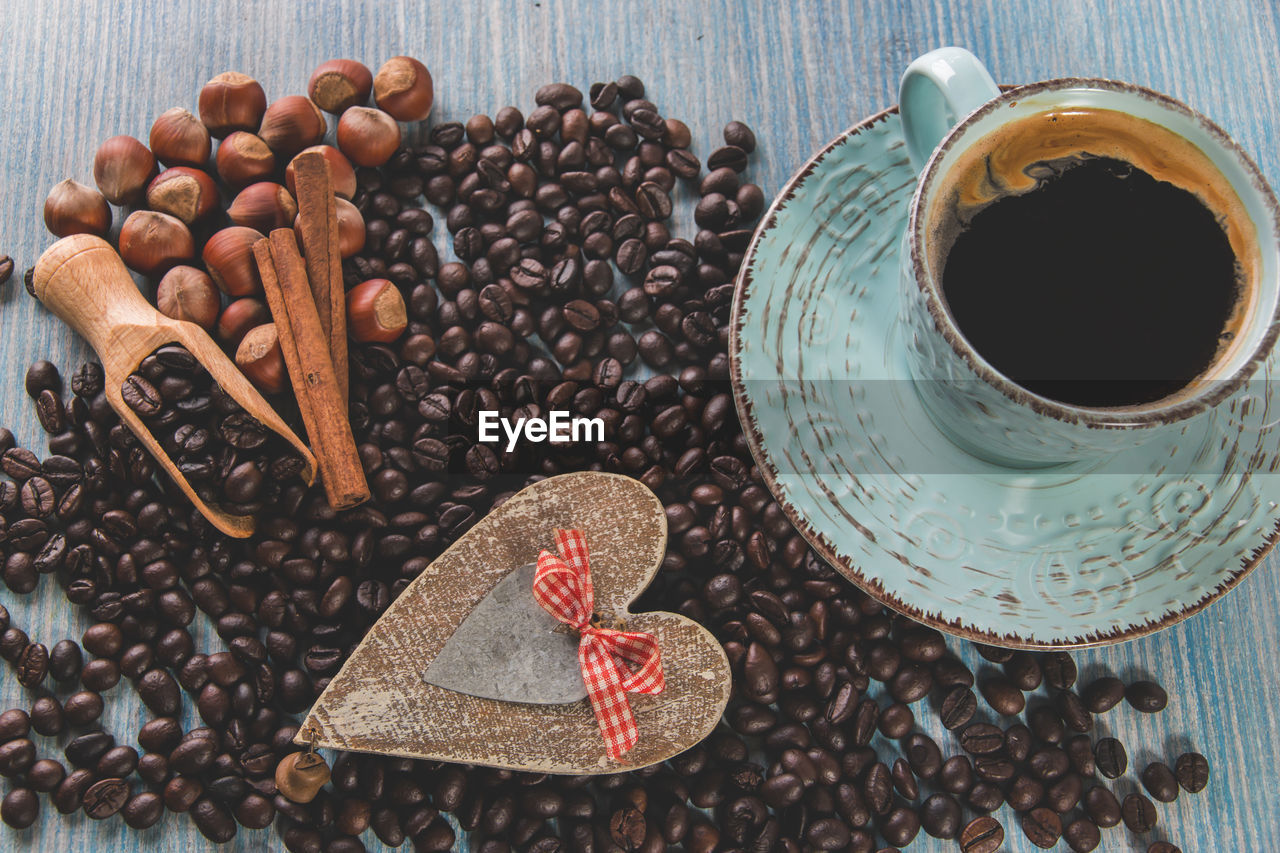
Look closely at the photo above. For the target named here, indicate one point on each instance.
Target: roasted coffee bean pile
(227, 455)
(567, 280)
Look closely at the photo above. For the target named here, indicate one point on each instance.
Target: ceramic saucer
(1080, 554)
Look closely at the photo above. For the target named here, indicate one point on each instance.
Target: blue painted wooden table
(74, 73)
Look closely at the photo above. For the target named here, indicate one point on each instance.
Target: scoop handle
(82, 280)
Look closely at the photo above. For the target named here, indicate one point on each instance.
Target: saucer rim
(845, 565)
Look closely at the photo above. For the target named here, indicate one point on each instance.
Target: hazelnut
(301, 775)
(376, 312)
(232, 101)
(403, 88)
(243, 158)
(239, 318)
(122, 169)
(263, 206)
(228, 255)
(368, 136)
(180, 139)
(260, 359)
(350, 229)
(186, 293)
(151, 242)
(184, 192)
(340, 83)
(341, 173)
(73, 208)
(291, 124)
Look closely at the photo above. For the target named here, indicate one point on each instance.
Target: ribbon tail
(608, 700)
(639, 652)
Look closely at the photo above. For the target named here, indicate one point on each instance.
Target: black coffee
(1101, 286)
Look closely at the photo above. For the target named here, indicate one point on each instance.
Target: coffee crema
(1094, 258)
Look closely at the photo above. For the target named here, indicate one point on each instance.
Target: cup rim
(1133, 417)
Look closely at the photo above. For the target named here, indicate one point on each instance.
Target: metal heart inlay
(509, 648)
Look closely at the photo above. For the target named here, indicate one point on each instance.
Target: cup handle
(937, 90)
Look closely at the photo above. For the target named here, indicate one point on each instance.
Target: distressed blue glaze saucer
(1081, 554)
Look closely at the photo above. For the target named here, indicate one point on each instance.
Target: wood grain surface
(75, 73)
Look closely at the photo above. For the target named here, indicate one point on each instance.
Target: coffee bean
(1023, 669)
(1049, 763)
(16, 757)
(1163, 847)
(14, 723)
(1111, 758)
(985, 797)
(1080, 751)
(1002, 695)
(1046, 725)
(32, 665)
(896, 721)
(82, 708)
(1025, 793)
(1017, 742)
(981, 739)
(561, 96)
(143, 810)
(1160, 783)
(6, 269)
(904, 781)
(911, 683)
(1063, 795)
(20, 808)
(728, 157)
(50, 412)
(1139, 814)
(141, 396)
(1192, 771)
(1082, 835)
(1102, 806)
(85, 750)
(1146, 696)
(1042, 827)
(65, 660)
(118, 761)
(983, 834)
(958, 707)
(42, 376)
(47, 716)
(214, 822)
(46, 775)
(865, 718)
(1059, 670)
(20, 464)
(106, 797)
(781, 790)
(1072, 710)
(100, 675)
(956, 775)
(993, 768)
(878, 789)
(940, 816)
(68, 796)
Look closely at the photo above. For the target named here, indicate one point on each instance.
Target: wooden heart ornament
(388, 697)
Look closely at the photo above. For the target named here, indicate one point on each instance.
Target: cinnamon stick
(318, 222)
(306, 354)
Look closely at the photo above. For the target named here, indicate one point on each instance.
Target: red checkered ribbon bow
(614, 663)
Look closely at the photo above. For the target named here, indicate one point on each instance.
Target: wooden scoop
(82, 280)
